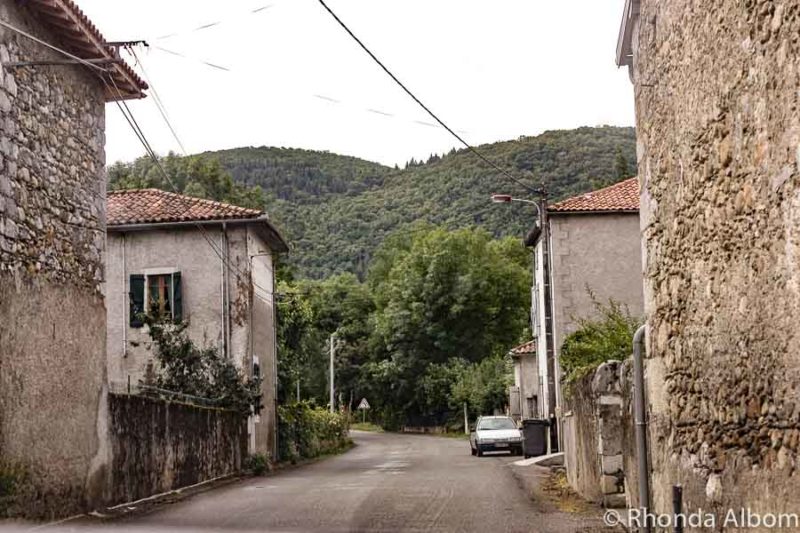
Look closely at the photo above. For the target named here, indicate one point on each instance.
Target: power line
(156, 98)
(179, 54)
(139, 134)
(137, 129)
(211, 24)
(426, 108)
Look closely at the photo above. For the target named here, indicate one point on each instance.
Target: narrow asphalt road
(388, 482)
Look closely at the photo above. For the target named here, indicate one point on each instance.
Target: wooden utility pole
(333, 353)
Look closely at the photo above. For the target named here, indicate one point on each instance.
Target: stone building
(159, 253)
(718, 134)
(594, 251)
(52, 242)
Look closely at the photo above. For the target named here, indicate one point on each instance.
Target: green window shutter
(136, 300)
(177, 297)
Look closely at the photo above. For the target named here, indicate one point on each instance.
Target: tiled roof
(528, 347)
(142, 206)
(78, 36)
(622, 196)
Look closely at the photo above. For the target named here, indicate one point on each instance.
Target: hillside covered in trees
(336, 210)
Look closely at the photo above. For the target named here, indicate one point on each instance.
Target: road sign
(364, 404)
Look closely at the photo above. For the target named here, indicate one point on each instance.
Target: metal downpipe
(640, 418)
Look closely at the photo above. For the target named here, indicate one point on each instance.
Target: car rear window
(497, 423)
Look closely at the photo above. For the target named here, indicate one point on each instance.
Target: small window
(159, 294)
(163, 295)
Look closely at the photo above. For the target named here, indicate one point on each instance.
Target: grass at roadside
(366, 426)
(559, 491)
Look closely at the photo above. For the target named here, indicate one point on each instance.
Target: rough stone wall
(52, 238)
(718, 125)
(630, 466)
(158, 446)
(593, 436)
(580, 439)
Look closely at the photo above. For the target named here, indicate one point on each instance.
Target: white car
(495, 434)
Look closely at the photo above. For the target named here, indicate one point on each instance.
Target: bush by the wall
(609, 337)
(306, 431)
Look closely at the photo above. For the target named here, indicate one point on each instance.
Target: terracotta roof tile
(80, 37)
(142, 206)
(622, 196)
(528, 347)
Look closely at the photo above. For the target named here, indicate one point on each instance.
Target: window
(158, 292)
(491, 424)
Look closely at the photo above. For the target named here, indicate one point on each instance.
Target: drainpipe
(641, 424)
(273, 297)
(226, 327)
(124, 302)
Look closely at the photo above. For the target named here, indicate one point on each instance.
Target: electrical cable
(426, 108)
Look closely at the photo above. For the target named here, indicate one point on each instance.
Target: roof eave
(64, 16)
(594, 212)
(271, 235)
(624, 54)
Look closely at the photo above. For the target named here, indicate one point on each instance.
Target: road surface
(388, 482)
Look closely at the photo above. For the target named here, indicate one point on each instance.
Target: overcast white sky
(493, 69)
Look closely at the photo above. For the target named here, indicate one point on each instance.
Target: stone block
(615, 501)
(610, 485)
(5, 185)
(611, 464)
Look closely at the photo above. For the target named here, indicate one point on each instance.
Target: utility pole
(548, 320)
(333, 353)
(466, 420)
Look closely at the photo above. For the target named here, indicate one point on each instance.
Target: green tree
(444, 299)
(199, 176)
(621, 170)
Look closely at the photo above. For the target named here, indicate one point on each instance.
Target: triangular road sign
(364, 404)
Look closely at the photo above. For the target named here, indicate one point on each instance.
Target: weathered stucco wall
(601, 252)
(187, 251)
(718, 126)
(526, 369)
(52, 236)
(157, 446)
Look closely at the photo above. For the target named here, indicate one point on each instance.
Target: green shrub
(203, 372)
(606, 338)
(258, 464)
(306, 431)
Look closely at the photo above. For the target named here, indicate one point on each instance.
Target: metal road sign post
(363, 405)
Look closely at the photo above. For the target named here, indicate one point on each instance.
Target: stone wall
(157, 446)
(52, 235)
(718, 126)
(593, 436)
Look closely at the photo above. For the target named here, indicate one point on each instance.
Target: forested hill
(301, 176)
(335, 210)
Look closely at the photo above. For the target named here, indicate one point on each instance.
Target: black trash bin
(534, 437)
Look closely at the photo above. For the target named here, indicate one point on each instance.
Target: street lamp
(507, 199)
(540, 234)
